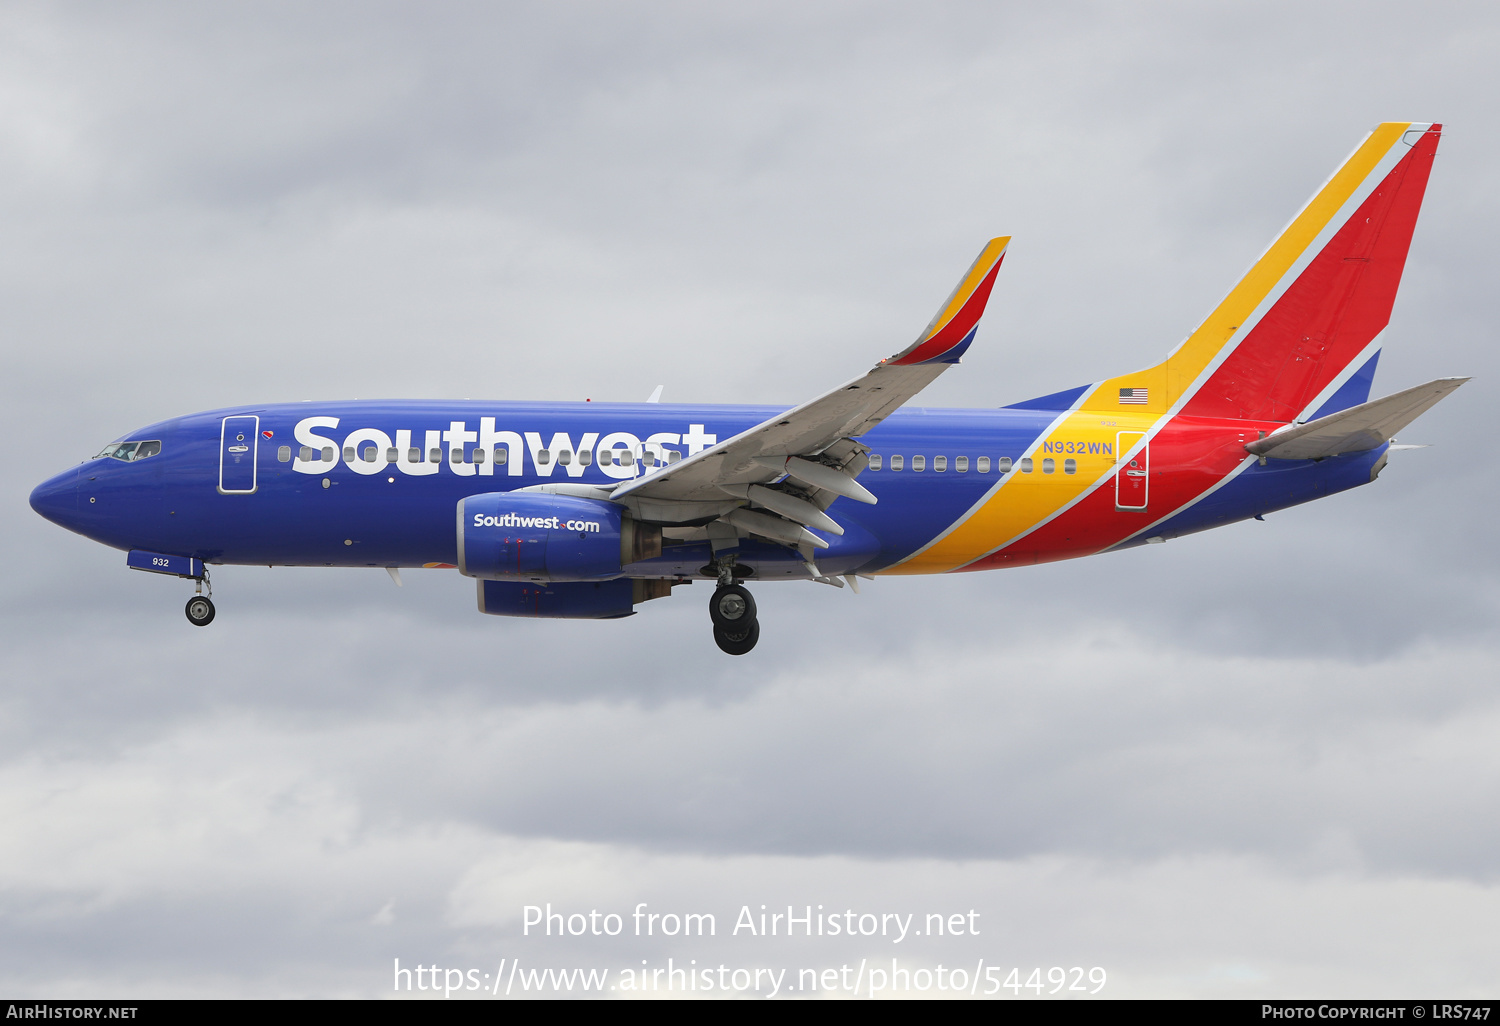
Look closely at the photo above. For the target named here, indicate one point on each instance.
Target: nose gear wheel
(200, 611)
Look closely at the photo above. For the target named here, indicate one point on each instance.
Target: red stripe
(1339, 303)
(952, 333)
(1334, 309)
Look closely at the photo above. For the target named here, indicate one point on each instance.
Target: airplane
(586, 510)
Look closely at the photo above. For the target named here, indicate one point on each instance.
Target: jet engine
(541, 537)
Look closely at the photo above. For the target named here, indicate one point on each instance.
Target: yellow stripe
(1025, 499)
(981, 267)
(1022, 503)
(1180, 370)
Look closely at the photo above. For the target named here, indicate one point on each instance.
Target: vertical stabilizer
(1296, 338)
(1310, 308)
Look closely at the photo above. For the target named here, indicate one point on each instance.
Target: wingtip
(948, 334)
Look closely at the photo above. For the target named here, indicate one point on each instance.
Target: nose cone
(57, 499)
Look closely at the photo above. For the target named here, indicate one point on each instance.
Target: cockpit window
(130, 451)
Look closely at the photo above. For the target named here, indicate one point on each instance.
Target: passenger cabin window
(649, 458)
(983, 465)
(284, 454)
(1004, 465)
(502, 456)
(414, 455)
(370, 452)
(1026, 464)
(897, 462)
(939, 464)
(543, 457)
(328, 454)
(565, 456)
(349, 453)
(673, 455)
(455, 455)
(1070, 466)
(875, 461)
(479, 456)
(961, 464)
(918, 464)
(390, 455)
(586, 457)
(1049, 465)
(435, 456)
(305, 454)
(606, 457)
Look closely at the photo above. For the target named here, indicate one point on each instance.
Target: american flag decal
(1135, 396)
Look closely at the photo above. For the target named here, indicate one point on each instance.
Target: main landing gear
(200, 608)
(732, 608)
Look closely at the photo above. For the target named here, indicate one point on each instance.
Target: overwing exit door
(238, 441)
(1131, 479)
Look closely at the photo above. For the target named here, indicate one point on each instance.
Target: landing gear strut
(200, 608)
(732, 609)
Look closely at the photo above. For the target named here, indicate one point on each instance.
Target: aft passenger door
(1131, 480)
(238, 440)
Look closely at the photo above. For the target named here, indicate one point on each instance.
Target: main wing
(813, 445)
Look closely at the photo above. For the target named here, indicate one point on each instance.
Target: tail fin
(1308, 312)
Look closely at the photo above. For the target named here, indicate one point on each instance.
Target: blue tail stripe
(1056, 401)
(1353, 392)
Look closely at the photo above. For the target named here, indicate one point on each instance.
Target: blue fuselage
(252, 485)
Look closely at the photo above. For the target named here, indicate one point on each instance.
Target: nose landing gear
(732, 609)
(200, 608)
(200, 611)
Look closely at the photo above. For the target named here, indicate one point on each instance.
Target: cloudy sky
(1256, 762)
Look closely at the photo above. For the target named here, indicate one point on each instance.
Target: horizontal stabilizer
(1357, 429)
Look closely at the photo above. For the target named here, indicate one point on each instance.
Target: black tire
(739, 602)
(739, 639)
(200, 611)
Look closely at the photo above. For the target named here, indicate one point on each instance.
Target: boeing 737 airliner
(587, 510)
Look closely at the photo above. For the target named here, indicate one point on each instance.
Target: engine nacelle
(537, 536)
